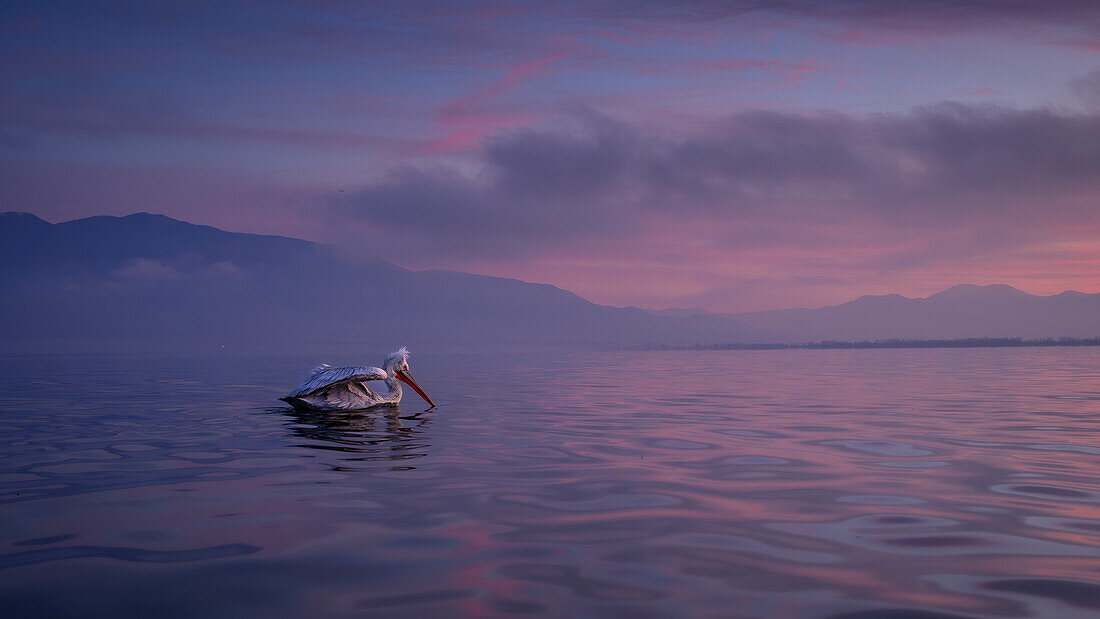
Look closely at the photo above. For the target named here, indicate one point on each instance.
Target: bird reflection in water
(370, 435)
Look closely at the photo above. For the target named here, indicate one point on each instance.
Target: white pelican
(329, 388)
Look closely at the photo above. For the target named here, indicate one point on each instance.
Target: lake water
(844, 483)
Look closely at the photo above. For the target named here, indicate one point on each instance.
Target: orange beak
(407, 378)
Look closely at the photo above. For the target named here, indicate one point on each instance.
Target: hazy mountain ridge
(152, 280)
(963, 311)
(147, 279)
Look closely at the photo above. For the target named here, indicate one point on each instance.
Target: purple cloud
(1077, 21)
(936, 167)
(1087, 89)
(247, 115)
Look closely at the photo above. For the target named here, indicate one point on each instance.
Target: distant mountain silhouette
(146, 281)
(963, 311)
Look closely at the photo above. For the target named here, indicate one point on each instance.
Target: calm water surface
(863, 483)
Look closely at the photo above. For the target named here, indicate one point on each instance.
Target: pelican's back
(325, 376)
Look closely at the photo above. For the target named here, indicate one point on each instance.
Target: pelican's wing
(325, 376)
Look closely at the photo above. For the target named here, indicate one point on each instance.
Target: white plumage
(326, 376)
(329, 388)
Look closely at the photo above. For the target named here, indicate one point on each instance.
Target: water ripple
(920, 484)
(138, 555)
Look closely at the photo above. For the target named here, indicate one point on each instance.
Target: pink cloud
(466, 131)
(517, 75)
(466, 120)
(764, 210)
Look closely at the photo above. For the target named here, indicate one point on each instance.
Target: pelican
(329, 388)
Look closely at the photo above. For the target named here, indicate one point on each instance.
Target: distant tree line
(971, 342)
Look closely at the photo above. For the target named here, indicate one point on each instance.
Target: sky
(734, 156)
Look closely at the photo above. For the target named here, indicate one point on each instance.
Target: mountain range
(148, 281)
(963, 311)
(105, 283)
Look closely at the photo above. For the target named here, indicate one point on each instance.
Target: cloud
(143, 269)
(149, 270)
(929, 153)
(939, 169)
(1066, 22)
(467, 119)
(1087, 89)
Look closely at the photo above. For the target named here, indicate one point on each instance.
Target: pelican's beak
(407, 378)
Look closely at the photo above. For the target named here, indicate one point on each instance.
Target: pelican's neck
(394, 386)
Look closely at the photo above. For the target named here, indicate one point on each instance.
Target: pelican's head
(398, 360)
(397, 364)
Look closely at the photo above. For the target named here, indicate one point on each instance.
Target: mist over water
(803, 483)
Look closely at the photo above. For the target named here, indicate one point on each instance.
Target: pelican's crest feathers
(401, 354)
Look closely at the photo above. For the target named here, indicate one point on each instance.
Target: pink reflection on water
(812, 481)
